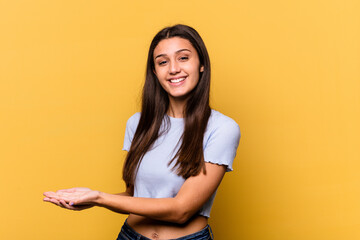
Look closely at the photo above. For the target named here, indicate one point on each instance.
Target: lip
(176, 77)
(177, 83)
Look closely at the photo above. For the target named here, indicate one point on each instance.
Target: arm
(220, 148)
(195, 192)
(192, 196)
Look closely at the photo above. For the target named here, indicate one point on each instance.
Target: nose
(174, 67)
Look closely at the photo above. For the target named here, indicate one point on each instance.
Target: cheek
(195, 74)
(160, 73)
(162, 81)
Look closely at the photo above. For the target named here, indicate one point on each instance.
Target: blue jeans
(127, 233)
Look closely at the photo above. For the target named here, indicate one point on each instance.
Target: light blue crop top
(155, 179)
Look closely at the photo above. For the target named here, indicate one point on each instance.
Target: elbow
(182, 216)
(181, 220)
(181, 212)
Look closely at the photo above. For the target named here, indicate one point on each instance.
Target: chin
(179, 96)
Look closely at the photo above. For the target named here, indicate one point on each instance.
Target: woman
(178, 147)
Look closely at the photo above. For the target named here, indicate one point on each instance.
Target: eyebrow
(180, 50)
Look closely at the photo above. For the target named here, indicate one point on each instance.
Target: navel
(155, 236)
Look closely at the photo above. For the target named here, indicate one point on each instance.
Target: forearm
(179, 209)
(192, 195)
(125, 194)
(164, 209)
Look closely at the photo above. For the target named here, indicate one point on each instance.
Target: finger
(68, 206)
(63, 194)
(55, 201)
(78, 201)
(70, 194)
(67, 199)
(53, 196)
(70, 190)
(63, 203)
(49, 194)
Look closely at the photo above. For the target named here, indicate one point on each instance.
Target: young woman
(178, 147)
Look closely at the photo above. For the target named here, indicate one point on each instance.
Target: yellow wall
(287, 71)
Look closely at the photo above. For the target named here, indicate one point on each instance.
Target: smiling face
(177, 67)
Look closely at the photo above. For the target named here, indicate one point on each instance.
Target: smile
(177, 80)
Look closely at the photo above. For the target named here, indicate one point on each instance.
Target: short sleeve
(131, 126)
(222, 144)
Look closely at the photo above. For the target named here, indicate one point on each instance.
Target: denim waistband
(131, 234)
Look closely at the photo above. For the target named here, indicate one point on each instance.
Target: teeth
(177, 80)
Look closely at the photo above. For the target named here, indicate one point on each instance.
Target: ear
(202, 68)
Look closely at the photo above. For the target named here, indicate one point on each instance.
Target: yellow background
(288, 72)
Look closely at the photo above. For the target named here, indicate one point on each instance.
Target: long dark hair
(155, 103)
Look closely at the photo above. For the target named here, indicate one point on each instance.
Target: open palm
(73, 198)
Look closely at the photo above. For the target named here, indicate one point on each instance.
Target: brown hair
(155, 103)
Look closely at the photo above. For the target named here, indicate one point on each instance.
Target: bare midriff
(157, 230)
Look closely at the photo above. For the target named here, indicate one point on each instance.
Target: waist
(154, 229)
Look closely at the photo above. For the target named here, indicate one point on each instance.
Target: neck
(176, 108)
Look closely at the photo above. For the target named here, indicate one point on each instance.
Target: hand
(73, 198)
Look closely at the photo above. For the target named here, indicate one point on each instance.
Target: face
(177, 67)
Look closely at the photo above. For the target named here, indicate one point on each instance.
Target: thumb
(73, 202)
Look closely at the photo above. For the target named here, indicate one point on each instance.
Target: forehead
(170, 46)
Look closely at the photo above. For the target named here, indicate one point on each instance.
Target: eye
(184, 58)
(162, 62)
